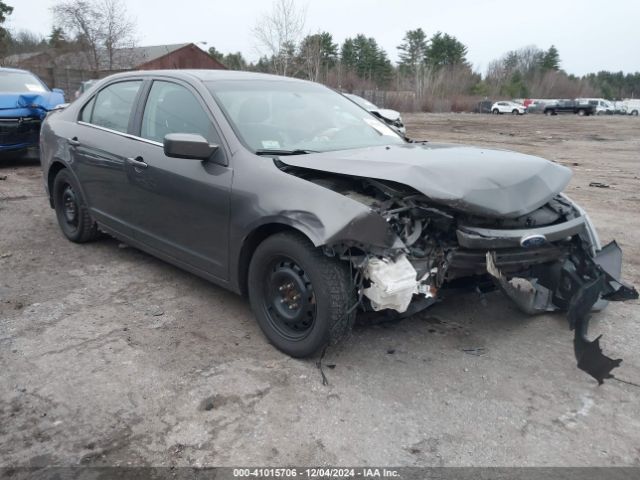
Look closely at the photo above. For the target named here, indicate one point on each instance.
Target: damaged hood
(29, 104)
(476, 180)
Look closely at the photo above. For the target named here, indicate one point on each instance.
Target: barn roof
(123, 58)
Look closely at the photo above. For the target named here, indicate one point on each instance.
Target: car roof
(210, 75)
(7, 69)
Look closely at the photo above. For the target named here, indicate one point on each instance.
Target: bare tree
(119, 29)
(311, 54)
(317, 54)
(82, 18)
(278, 33)
(99, 25)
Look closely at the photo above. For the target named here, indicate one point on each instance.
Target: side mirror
(188, 145)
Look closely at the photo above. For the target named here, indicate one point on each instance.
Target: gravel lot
(111, 357)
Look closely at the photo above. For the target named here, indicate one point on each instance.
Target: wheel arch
(250, 244)
(54, 169)
(56, 166)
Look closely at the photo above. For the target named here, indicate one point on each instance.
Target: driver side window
(171, 108)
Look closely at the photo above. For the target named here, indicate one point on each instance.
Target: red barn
(69, 70)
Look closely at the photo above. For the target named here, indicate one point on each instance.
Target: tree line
(433, 69)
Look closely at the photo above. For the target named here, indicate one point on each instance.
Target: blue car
(24, 102)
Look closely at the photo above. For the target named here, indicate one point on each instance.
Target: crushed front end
(21, 117)
(18, 133)
(547, 260)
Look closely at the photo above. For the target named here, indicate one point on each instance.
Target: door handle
(74, 142)
(137, 162)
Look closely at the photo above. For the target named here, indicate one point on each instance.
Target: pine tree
(550, 59)
(413, 51)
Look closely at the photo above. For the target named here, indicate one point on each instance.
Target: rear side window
(171, 108)
(112, 106)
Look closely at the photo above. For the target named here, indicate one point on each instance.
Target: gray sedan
(288, 192)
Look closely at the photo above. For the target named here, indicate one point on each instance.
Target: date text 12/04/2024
(308, 473)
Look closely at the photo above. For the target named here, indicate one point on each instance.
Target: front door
(179, 207)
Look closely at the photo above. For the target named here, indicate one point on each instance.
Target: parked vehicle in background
(84, 86)
(632, 106)
(508, 107)
(569, 106)
(619, 108)
(604, 107)
(536, 106)
(483, 106)
(390, 117)
(24, 102)
(600, 105)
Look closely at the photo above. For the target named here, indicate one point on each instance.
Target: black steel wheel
(72, 213)
(289, 299)
(300, 297)
(70, 207)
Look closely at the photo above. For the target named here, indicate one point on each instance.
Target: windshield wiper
(269, 151)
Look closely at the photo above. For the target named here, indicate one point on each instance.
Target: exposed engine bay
(546, 260)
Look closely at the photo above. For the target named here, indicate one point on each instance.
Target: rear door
(179, 207)
(101, 149)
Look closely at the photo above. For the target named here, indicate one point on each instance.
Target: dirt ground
(111, 357)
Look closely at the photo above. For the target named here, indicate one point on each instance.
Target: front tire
(72, 212)
(495, 111)
(514, 112)
(301, 298)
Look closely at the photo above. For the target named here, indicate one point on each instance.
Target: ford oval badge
(531, 241)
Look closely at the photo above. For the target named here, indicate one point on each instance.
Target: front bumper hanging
(604, 285)
(583, 284)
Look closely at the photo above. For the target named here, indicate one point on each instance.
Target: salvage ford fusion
(24, 101)
(286, 191)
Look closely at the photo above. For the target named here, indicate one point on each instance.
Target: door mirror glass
(188, 145)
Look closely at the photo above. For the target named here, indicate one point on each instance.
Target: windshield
(20, 82)
(297, 116)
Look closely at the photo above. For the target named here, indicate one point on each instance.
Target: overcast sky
(591, 35)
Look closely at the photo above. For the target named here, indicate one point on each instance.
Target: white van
(602, 106)
(633, 106)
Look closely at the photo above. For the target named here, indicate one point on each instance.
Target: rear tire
(72, 212)
(300, 297)
(581, 113)
(634, 113)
